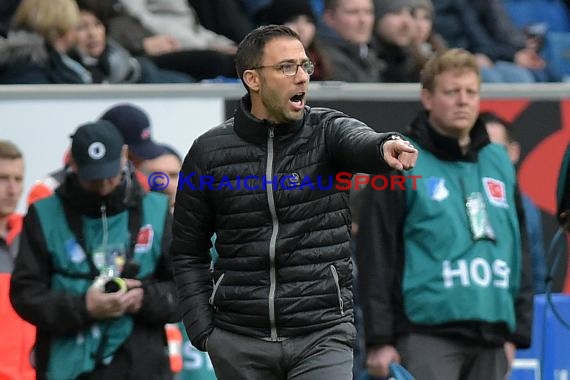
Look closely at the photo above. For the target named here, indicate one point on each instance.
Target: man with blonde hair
(35, 50)
(446, 286)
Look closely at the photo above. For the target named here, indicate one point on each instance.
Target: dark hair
(104, 10)
(251, 48)
(491, 117)
(330, 4)
(282, 11)
(170, 150)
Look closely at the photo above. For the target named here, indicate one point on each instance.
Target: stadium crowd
(184, 41)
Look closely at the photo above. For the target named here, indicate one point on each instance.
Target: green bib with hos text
(462, 240)
(75, 354)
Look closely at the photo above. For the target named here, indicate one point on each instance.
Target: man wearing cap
(92, 272)
(134, 125)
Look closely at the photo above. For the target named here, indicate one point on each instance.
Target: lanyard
(75, 223)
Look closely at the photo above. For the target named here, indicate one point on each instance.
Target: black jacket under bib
(284, 266)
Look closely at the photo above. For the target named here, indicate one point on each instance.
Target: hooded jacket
(284, 265)
(381, 256)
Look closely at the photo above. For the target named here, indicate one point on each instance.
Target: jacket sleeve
(192, 229)
(59, 313)
(524, 306)
(354, 146)
(160, 296)
(380, 259)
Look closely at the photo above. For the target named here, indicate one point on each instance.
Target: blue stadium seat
(553, 13)
(557, 54)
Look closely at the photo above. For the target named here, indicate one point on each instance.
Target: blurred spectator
(169, 33)
(299, 16)
(18, 336)
(346, 36)
(109, 62)
(393, 37)
(46, 186)
(99, 229)
(7, 9)
(511, 44)
(500, 132)
(460, 24)
(213, 15)
(168, 163)
(175, 18)
(134, 126)
(35, 52)
(426, 42)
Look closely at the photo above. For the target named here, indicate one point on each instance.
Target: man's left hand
(399, 154)
(134, 296)
(510, 352)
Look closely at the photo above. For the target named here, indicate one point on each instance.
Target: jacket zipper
(337, 284)
(275, 231)
(216, 286)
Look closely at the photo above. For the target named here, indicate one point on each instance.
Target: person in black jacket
(444, 276)
(92, 273)
(278, 303)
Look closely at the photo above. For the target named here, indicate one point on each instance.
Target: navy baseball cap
(96, 149)
(134, 125)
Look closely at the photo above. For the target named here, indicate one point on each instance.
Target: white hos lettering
(477, 272)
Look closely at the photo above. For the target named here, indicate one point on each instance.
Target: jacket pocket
(337, 284)
(215, 290)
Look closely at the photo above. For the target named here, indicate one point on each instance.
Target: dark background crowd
(185, 41)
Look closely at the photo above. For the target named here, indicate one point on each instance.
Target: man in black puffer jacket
(278, 303)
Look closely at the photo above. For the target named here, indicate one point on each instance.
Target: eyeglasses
(290, 69)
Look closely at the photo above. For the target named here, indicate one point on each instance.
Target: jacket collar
(124, 196)
(447, 148)
(254, 130)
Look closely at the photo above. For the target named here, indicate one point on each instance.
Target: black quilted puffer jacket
(284, 265)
